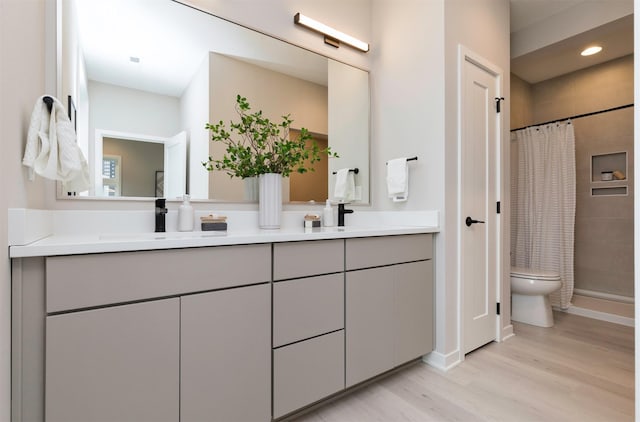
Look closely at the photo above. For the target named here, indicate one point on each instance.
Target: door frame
(465, 54)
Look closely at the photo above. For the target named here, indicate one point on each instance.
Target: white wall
(194, 113)
(129, 110)
(408, 97)
(22, 81)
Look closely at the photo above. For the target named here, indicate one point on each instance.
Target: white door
(175, 166)
(479, 225)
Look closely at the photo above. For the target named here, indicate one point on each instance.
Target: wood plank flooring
(580, 370)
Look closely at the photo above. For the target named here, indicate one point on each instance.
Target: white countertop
(35, 232)
(118, 242)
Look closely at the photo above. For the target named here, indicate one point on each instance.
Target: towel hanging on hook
(51, 150)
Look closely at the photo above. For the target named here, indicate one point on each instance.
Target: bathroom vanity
(218, 328)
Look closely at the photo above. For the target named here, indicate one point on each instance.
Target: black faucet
(341, 213)
(161, 210)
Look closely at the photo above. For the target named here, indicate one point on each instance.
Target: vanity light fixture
(589, 51)
(332, 36)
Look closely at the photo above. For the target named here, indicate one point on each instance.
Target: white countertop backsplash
(62, 232)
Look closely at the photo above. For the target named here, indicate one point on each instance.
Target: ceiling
(616, 38)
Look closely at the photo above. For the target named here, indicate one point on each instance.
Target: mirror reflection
(151, 73)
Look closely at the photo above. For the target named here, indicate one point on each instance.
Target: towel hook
(49, 102)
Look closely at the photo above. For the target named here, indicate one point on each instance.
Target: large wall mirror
(144, 76)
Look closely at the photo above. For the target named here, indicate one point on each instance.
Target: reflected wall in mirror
(168, 69)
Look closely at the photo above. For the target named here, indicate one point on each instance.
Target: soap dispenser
(185, 215)
(327, 215)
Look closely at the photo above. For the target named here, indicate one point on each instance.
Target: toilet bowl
(530, 291)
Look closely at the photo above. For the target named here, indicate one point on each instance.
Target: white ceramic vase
(270, 200)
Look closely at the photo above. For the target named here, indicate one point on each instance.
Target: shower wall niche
(609, 174)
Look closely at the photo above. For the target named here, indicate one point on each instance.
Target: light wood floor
(580, 370)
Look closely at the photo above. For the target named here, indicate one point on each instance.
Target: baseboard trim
(601, 295)
(441, 361)
(602, 316)
(507, 333)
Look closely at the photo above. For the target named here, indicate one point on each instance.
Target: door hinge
(498, 308)
(498, 99)
(498, 207)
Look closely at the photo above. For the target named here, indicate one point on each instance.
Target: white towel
(345, 185)
(52, 150)
(398, 179)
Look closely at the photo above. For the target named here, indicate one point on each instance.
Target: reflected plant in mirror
(262, 146)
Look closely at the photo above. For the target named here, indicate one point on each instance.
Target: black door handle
(469, 221)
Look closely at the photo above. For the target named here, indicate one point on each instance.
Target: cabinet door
(226, 355)
(413, 310)
(114, 364)
(369, 323)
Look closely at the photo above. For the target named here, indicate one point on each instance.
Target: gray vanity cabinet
(225, 355)
(161, 335)
(229, 333)
(308, 323)
(389, 303)
(114, 364)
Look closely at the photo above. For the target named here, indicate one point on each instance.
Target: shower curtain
(545, 203)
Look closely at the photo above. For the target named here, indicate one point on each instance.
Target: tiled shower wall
(604, 224)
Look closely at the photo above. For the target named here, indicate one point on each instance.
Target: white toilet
(530, 291)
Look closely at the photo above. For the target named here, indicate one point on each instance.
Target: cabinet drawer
(300, 259)
(306, 372)
(81, 281)
(377, 251)
(307, 307)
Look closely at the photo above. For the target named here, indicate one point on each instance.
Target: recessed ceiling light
(591, 50)
(134, 59)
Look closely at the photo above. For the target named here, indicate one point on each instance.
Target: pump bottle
(327, 215)
(185, 215)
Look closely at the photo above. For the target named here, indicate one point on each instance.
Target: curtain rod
(577, 116)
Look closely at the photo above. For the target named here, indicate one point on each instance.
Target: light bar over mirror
(332, 36)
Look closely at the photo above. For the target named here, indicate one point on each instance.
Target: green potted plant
(256, 146)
